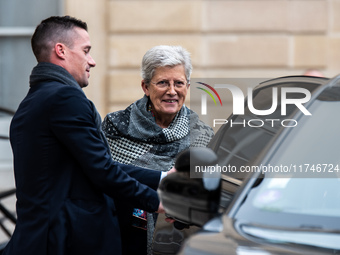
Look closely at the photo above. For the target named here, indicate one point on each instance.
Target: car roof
(293, 78)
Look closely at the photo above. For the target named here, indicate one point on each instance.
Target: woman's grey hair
(165, 55)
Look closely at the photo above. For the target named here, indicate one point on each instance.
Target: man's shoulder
(55, 89)
(54, 96)
(57, 85)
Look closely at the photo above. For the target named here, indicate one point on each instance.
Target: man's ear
(145, 88)
(60, 50)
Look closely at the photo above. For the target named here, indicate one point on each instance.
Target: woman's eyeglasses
(166, 84)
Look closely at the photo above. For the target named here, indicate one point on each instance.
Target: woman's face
(167, 90)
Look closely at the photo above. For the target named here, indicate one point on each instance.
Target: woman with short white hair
(151, 132)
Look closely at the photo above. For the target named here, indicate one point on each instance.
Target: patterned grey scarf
(135, 138)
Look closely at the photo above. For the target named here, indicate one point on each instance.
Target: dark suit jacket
(63, 173)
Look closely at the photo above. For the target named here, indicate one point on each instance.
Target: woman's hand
(160, 208)
(172, 170)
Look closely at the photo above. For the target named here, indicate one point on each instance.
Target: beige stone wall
(94, 13)
(227, 38)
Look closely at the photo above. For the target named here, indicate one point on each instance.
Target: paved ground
(6, 175)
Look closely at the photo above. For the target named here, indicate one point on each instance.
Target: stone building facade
(227, 38)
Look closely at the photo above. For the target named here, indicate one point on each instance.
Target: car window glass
(238, 144)
(311, 185)
(317, 197)
(316, 139)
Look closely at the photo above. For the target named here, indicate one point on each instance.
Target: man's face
(79, 60)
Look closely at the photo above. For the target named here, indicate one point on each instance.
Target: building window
(18, 20)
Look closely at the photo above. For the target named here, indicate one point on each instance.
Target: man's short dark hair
(51, 31)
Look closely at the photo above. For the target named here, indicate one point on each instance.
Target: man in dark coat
(64, 173)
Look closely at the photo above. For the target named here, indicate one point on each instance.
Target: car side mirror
(192, 196)
(188, 160)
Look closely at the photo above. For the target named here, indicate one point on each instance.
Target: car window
(238, 144)
(307, 194)
(316, 139)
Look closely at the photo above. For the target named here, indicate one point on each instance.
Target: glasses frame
(167, 84)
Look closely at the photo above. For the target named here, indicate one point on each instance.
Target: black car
(279, 188)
